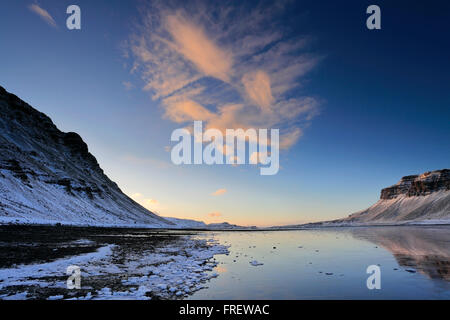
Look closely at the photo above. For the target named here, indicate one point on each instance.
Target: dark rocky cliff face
(419, 185)
(47, 174)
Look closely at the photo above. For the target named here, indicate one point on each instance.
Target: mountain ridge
(49, 176)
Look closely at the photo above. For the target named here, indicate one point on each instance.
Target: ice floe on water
(173, 270)
(255, 263)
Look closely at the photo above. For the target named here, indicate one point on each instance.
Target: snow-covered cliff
(48, 176)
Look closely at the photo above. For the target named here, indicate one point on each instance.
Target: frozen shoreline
(171, 270)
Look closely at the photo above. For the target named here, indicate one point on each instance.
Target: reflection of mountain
(425, 249)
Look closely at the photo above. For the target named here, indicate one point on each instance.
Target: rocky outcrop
(48, 176)
(419, 185)
(423, 198)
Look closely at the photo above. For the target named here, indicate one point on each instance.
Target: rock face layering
(419, 185)
(424, 198)
(48, 176)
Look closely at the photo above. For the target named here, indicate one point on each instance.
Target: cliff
(48, 176)
(423, 198)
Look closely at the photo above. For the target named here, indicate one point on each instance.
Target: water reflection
(425, 249)
(331, 263)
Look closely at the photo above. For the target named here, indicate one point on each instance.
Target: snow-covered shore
(171, 270)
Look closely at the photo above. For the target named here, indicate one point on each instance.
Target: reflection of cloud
(214, 214)
(421, 248)
(221, 269)
(219, 192)
(228, 65)
(43, 14)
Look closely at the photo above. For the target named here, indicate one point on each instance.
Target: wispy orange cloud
(148, 203)
(188, 110)
(219, 192)
(229, 67)
(191, 41)
(214, 214)
(258, 89)
(43, 14)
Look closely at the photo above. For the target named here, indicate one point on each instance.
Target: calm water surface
(332, 263)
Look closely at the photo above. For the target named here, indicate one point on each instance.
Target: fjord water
(331, 264)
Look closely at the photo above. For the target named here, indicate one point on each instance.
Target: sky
(357, 109)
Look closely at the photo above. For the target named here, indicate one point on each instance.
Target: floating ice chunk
(58, 297)
(256, 263)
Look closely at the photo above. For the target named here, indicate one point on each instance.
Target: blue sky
(357, 109)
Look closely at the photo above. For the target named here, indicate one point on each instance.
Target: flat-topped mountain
(48, 176)
(424, 197)
(415, 199)
(419, 185)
